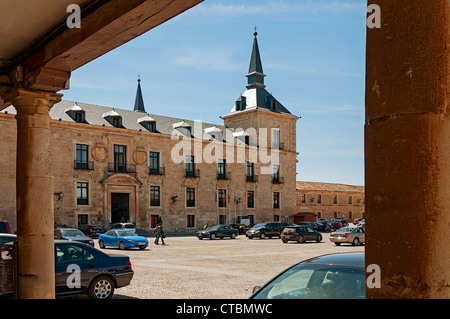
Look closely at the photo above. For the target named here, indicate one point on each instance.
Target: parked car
(4, 227)
(127, 226)
(241, 227)
(100, 273)
(350, 235)
(264, 230)
(7, 238)
(122, 238)
(217, 231)
(91, 231)
(312, 225)
(73, 234)
(300, 234)
(334, 276)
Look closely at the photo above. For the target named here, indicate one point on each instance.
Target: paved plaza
(188, 268)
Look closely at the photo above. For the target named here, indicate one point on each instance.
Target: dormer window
(241, 103)
(215, 133)
(183, 127)
(148, 122)
(273, 104)
(76, 113)
(113, 118)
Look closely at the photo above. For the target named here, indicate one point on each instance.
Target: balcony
(87, 165)
(192, 173)
(121, 168)
(225, 176)
(156, 171)
(252, 178)
(277, 180)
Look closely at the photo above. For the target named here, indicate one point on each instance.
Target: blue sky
(194, 67)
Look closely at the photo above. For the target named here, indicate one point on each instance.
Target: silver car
(350, 235)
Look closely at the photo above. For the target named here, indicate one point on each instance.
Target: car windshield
(258, 226)
(72, 233)
(316, 282)
(129, 226)
(125, 233)
(346, 229)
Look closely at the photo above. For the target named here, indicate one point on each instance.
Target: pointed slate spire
(139, 102)
(255, 71)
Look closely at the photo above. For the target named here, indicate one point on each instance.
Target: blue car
(122, 238)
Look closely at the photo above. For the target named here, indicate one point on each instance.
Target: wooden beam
(109, 26)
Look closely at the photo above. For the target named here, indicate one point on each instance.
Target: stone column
(35, 194)
(407, 149)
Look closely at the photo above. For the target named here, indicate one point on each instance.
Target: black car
(264, 230)
(218, 231)
(241, 227)
(91, 231)
(300, 234)
(334, 276)
(73, 234)
(100, 274)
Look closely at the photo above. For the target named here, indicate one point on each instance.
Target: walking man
(159, 232)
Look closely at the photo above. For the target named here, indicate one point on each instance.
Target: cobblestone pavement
(188, 268)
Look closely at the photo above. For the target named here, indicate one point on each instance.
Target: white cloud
(215, 59)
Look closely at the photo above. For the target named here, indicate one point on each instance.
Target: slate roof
(95, 115)
(256, 96)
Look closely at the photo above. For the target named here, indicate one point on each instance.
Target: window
(250, 171)
(335, 200)
(222, 219)
(190, 197)
(81, 156)
(120, 158)
(276, 200)
(82, 193)
(303, 198)
(276, 138)
(154, 196)
(250, 199)
(350, 200)
(78, 116)
(276, 218)
(221, 169)
(222, 198)
(276, 173)
(83, 219)
(190, 221)
(190, 166)
(154, 220)
(72, 254)
(154, 163)
(150, 126)
(319, 199)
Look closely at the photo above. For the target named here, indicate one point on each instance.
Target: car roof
(342, 259)
(7, 235)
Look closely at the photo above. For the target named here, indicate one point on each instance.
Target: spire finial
(256, 33)
(139, 78)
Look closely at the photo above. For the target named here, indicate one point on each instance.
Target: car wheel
(212, 237)
(355, 242)
(200, 238)
(101, 244)
(101, 288)
(233, 236)
(122, 246)
(337, 244)
(284, 241)
(301, 239)
(262, 236)
(319, 238)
